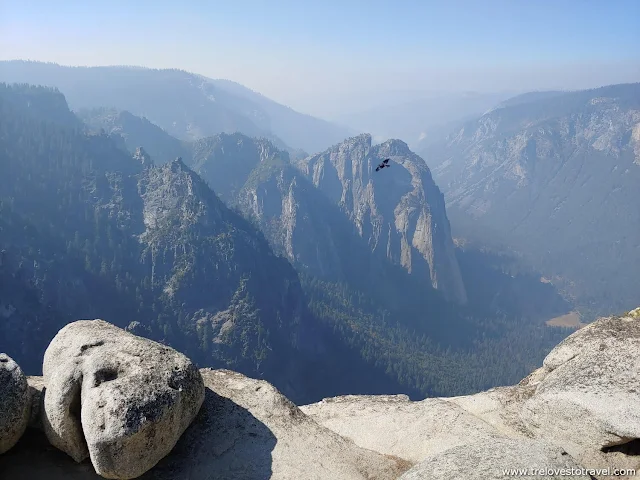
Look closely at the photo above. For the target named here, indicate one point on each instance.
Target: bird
(385, 163)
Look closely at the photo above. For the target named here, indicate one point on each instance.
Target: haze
(332, 58)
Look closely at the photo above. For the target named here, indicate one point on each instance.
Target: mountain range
(224, 241)
(422, 118)
(232, 275)
(551, 177)
(186, 105)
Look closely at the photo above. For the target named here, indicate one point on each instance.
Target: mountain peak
(143, 157)
(399, 213)
(395, 147)
(178, 166)
(364, 139)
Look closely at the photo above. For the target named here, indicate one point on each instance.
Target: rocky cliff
(399, 211)
(298, 219)
(575, 417)
(553, 177)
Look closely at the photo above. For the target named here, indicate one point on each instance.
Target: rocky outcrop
(575, 417)
(120, 399)
(14, 403)
(246, 429)
(587, 395)
(400, 212)
(397, 426)
(143, 157)
(578, 410)
(249, 430)
(496, 460)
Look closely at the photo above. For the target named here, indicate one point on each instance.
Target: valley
(248, 254)
(235, 277)
(551, 178)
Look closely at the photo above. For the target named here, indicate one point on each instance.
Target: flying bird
(385, 163)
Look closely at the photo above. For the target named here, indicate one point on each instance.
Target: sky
(324, 56)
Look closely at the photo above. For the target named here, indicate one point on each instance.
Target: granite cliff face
(298, 219)
(553, 177)
(399, 211)
(311, 230)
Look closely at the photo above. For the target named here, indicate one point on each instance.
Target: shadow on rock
(224, 442)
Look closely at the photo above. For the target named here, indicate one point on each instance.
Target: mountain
(300, 221)
(186, 105)
(310, 133)
(142, 227)
(136, 132)
(399, 211)
(417, 119)
(89, 231)
(297, 218)
(316, 226)
(552, 177)
(226, 161)
(393, 318)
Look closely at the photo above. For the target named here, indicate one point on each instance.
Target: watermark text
(568, 472)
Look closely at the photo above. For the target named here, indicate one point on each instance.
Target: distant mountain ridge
(415, 119)
(289, 124)
(186, 105)
(135, 132)
(528, 98)
(553, 175)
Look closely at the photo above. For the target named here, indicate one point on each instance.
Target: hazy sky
(315, 55)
